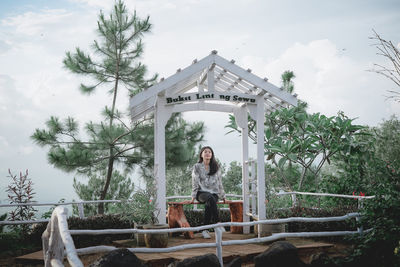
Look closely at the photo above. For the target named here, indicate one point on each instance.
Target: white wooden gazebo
(211, 84)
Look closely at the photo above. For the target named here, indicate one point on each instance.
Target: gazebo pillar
(161, 116)
(245, 173)
(260, 159)
(242, 121)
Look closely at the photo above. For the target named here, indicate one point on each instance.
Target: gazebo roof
(217, 75)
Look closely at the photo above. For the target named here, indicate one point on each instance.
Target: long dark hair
(213, 163)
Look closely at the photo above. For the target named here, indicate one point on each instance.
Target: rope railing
(59, 215)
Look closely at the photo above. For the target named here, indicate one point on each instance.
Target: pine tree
(114, 141)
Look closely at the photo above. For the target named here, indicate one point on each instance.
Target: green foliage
(287, 81)
(232, 179)
(372, 166)
(179, 181)
(295, 137)
(196, 217)
(11, 243)
(119, 49)
(121, 188)
(109, 221)
(114, 142)
(348, 225)
(181, 140)
(141, 208)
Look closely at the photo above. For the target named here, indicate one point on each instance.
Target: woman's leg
(211, 210)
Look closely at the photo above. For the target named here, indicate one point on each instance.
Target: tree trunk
(111, 159)
(100, 207)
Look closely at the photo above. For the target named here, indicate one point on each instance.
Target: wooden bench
(177, 218)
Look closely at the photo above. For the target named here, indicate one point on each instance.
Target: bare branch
(388, 50)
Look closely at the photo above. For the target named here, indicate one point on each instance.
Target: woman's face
(206, 154)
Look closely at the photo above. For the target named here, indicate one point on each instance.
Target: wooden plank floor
(246, 252)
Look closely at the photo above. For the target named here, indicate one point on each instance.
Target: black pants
(211, 211)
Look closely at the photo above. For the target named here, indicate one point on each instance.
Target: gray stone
(279, 254)
(118, 258)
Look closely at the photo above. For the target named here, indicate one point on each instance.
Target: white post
(260, 159)
(81, 210)
(253, 188)
(161, 117)
(242, 121)
(218, 242)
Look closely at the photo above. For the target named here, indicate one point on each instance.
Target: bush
(196, 217)
(97, 222)
(348, 225)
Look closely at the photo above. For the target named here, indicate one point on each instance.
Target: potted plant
(142, 210)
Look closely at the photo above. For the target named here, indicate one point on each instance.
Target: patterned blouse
(204, 182)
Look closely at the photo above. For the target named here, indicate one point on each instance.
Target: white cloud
(25, 150)
(329, 81)
(3, 143)
(33, 23)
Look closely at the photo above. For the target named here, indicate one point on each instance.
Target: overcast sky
(324, 42)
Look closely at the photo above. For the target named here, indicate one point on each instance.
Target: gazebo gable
(212, 78)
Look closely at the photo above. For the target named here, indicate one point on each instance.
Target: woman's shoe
(206, 234)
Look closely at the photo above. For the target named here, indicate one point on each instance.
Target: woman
(207, 186)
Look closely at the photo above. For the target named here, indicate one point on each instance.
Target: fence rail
(78, 203)
(81, 203)
(57, 236)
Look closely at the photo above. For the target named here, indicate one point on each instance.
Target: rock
(279, 254)
(236, 262)
(320, 259)
(118, 258)
(208, 260)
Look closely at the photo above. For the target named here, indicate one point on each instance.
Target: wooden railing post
(53, 247)
(81, 211)
(56, 238)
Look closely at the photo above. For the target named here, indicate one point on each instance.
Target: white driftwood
(56, 238)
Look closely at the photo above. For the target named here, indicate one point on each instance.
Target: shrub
(348, 225)
(19, 191)
(97, 222)
(196, 217)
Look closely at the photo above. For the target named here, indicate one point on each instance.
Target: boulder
(320, 259)
(208, 260)
(118, 258)
(279, 254)
(236, 262)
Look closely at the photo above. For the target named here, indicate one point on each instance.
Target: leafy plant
(374, 169)
(20, 191)
(141, 208)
